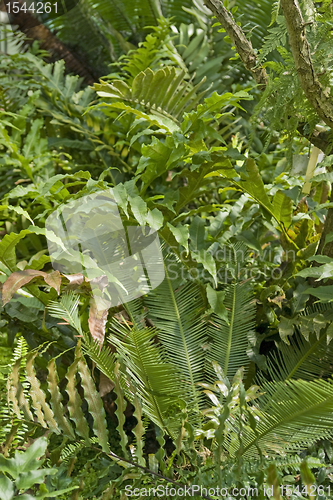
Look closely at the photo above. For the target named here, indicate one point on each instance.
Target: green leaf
(197, 234)
(155, 219)
(324, 293)
(18, 210)
(181, 233)
(56, 398)
(139, 209)
(28, 479)
(95, 405)
(207, 260)
(45, 417)
(286, 328)
(158, 157)
(6, 488)
(283, 208)
(75, 402)
(7, 247)
(120, 195)
(216, 301)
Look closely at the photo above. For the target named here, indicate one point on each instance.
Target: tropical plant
(226, 365)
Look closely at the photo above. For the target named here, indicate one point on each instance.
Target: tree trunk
(34, 30)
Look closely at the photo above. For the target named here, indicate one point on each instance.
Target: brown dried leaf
(98, 314)
(75, 279)
(101, 282)
(53, 279)
(105, 385)
(16, 280)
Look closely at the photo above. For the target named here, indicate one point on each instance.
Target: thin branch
(249, 58)
(242, 44)
(301, 52)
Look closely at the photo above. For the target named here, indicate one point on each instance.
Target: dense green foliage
(220, 376)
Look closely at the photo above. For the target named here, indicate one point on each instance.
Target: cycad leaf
(67, 309)
(230, 339)
(177, 96)
(302, 359)
(156, 381)
(177, 315)
(295, 413)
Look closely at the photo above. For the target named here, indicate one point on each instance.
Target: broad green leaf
(26, 461)
(283, 208)
(6, 488)
(139, 209)
(18, 210)
(7, 247)
(159, 157)
(216, 301)
(181, 233)
(155, 219)
(120, 195)
(324, 293)
(28, 479)
(286, 328)
(207, 260)
(197, 234)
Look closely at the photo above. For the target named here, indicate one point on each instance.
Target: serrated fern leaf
(56, 398)
(75, 402)
(43, 411)
(95, 405)
(121, 407)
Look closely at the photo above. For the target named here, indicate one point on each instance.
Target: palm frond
(67, 309)
(295, 414)
(156, 380)
(176, 312)
(302, 359)
(165, 96)
(230, 341)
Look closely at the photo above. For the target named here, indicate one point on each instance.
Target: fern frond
(67, 309)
